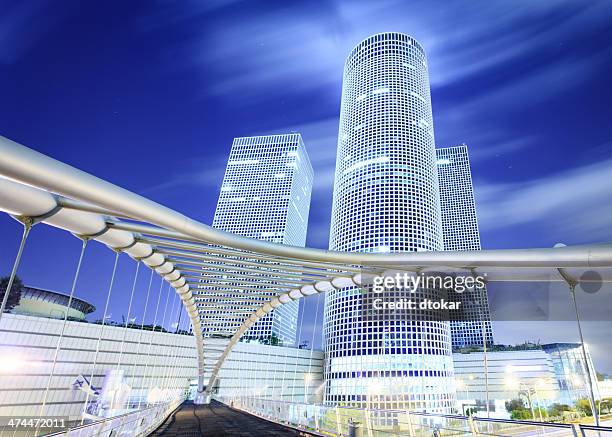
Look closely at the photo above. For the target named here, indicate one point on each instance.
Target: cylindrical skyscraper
(386, 199)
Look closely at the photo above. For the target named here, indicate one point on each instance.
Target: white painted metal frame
(261, 275)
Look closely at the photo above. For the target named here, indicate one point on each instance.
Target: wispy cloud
(496, 148)
(287, 51)
(536, 85)
(575, 203)
(199, 172)
(498, 34)
(22, 24)
(304, 48)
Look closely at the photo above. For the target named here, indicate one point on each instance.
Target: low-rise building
(46, 303)
(571, 373)
(511, 375)
(539, 375)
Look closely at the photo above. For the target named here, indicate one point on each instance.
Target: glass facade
(265, 195)
(460, 232)
(386, 199)
(570, 371)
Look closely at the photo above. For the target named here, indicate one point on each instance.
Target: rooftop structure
(46, 303)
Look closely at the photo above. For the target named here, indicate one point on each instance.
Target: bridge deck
(217, 420)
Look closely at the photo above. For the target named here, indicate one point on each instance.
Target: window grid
(265, 195)
(386, 200)
(460, 231)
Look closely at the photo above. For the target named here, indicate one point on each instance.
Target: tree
(274, 340)
(14, 295)
(584, 406)
(471, 411)
(557, 410)
(514, 404)
(540, 411)
(517, 410)
(521, 414)
(604, 404)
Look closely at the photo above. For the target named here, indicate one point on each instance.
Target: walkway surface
(217, 420)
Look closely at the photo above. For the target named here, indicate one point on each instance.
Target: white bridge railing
(345, 421)
(134, 424)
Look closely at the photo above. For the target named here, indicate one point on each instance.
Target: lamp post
(515, 384)
(572, 282)
(374, 388)
(307, 381)
(470, 378)
(535, 391)
(459, 385)
(539, 386)
(603, 401)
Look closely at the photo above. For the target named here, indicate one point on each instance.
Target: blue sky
(149, 95)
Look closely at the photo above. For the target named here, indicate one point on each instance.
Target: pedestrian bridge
(226, 283)
(264, 417)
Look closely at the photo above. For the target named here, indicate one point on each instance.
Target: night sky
(149, 96)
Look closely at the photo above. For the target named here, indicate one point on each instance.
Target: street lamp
(535, 391)
(603, 401)
(522, 388)
(461, 385)
(307, 381)
(528, 390)
(11, 363)
(374, 387)
(572, 282)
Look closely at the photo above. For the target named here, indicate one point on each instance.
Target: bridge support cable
(169, 372)
(166, 364)
(171, 354)
(273, 391)
(179, 372)
(95, 360)
(145, 381)
(309, 379)
(27, 226)
(571, 283)
(169, 362)
(156, 379)
(297, 352)
(63, 328)
(133, 379)
(128, 316)
(283, 381)
(486, 367)
(174, 377)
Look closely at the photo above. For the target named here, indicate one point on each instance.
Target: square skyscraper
(266, 195)
(460, 232)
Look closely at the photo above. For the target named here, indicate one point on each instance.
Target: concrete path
(218, 420)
